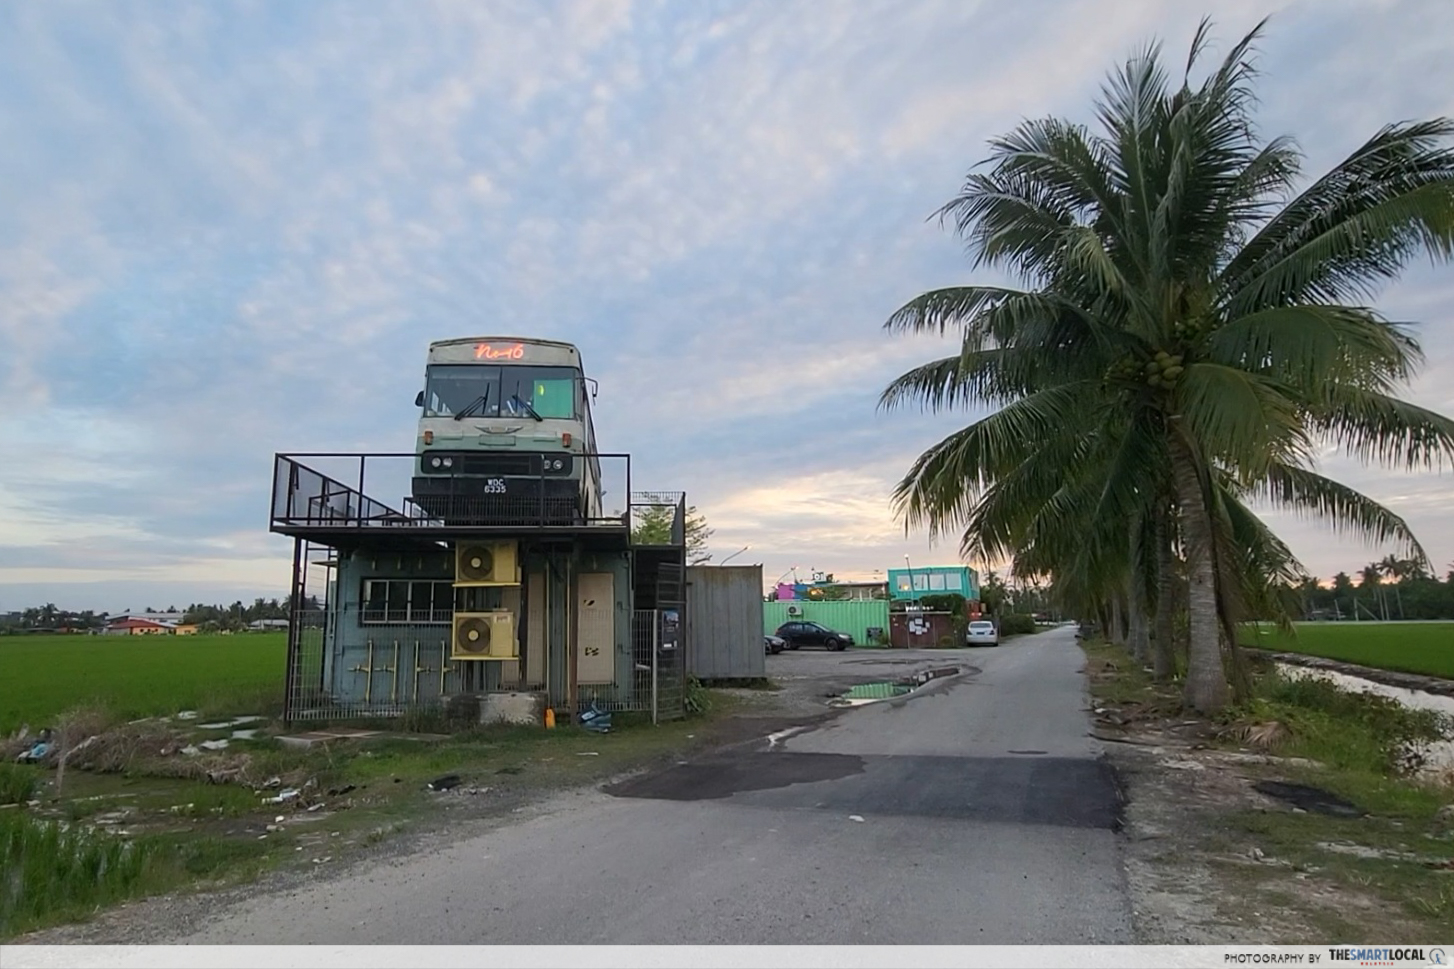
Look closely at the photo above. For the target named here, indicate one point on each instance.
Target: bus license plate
(494, 486)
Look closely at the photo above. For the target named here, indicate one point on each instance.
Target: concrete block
(519, 708)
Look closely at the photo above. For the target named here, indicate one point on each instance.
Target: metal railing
(332, 492)
(659, 517)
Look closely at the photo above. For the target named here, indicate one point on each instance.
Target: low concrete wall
(517, 708)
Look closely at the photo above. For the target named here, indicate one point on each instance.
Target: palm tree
(1184, 329)
(1371, 577)
(1399, 569)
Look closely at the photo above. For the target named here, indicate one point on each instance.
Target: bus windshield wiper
(479, 401)
(515, 398)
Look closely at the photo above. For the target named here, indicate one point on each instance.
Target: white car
(982, 632)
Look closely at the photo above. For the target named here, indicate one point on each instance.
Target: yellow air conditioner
(486, 563)
(485, 635)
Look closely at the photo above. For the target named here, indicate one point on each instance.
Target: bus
(505, 434)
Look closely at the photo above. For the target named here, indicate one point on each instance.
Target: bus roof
(455, 341)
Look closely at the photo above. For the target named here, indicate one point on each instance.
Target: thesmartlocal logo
(1388, 956)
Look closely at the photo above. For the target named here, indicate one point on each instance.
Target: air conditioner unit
(795, 610)
(486, 563)
(484, 635)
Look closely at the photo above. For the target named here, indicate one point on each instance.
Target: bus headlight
(436, 462)
(449, 462)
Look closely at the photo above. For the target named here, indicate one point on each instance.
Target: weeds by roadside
(1246, 862)
(193, 814)
(17, 783)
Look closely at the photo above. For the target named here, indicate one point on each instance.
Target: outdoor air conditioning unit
(484, 635)
(486, 563)
(795, 610)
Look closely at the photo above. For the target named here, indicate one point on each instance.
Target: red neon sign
(483, 351)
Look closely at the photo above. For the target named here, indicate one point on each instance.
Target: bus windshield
(525, 392)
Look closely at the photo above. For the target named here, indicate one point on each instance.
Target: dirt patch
(1240, 846)
(1198, 878)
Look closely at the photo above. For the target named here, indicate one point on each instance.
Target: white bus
(505, 434)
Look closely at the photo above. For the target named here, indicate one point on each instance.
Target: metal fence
(338, 669)
(853, 616)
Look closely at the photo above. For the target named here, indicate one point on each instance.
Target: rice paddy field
(1410, 647)
(42, 677)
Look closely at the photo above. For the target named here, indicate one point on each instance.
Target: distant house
(929, 580)
(134, 626)
(860, 591)
(267, 624)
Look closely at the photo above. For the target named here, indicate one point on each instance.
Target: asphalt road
(976, 812)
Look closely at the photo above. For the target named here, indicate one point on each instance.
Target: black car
(797, 634)
(774, 645)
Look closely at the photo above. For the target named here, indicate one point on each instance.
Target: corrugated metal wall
(724, 622)
(854, 617)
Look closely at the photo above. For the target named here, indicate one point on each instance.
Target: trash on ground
(596, 720)
(444, 783)
(38, 750)
(214, 726)
(282, 797)
(220, 744)
(588, 753)
(187, 715)
(250, 734)
(273, 782)
(856, 817)
(191, 751)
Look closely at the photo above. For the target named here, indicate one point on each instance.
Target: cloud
(233, 230)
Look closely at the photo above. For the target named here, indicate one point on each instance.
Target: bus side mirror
(419, 399)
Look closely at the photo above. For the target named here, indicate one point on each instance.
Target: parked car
(797, 634)
(982, 632)
(774, 644)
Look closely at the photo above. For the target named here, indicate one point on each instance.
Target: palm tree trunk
(1117, 633)
(1136, 596)
(1136, 611)
(1206, 678)
(1164, 662)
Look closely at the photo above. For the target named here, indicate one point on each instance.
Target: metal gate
(660, 677)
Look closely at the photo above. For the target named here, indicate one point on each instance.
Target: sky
(231, 229)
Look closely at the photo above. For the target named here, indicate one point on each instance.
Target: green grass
(42, 677)
(1411, 647)
(187, 833)
(18, 783)
(57, 873)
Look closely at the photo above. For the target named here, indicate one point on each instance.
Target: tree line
(1413, 593)
(209, 618)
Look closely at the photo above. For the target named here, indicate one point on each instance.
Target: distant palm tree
(1186, 332)
(1398, 569)
(1371, 577)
